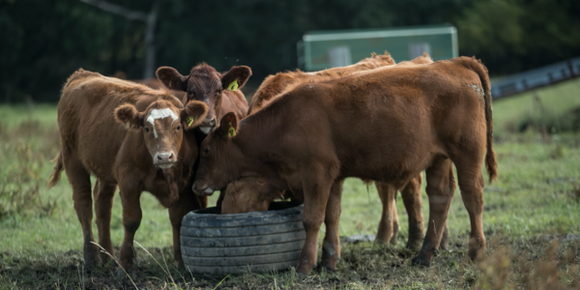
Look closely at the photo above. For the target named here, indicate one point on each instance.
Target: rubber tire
(213, 244)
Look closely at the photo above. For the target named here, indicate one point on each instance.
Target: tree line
(43, 42)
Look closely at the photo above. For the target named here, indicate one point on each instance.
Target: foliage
(512, 36)
(22, 167)
(45, 41)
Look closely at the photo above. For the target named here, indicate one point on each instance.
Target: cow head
(249, 194)
(162, 124)
(221, 159)
(205, 84)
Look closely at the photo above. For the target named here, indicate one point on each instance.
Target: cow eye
(206, 150)
(146, 129)
(178, 127)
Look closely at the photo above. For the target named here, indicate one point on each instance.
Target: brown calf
(126, 135)
(249, 194)
(219, 91)
(386, 125)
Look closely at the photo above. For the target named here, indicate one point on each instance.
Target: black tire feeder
(213, 244)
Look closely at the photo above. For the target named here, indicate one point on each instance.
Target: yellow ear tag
(231, 131)
(233, 86)
(189, 121)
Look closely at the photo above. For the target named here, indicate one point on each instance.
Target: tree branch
(129, 14)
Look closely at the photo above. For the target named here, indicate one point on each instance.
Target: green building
(325, 49)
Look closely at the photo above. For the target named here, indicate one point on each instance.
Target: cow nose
(207, 125)
(210, 122)
(165, 157)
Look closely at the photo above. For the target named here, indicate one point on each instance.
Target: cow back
(415, 110)
(279, 83)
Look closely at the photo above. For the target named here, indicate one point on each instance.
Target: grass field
(530, 219)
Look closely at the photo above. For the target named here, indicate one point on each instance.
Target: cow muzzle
(207, 124)
(164, 160)
(202, 190)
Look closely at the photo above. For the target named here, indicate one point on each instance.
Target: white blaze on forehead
(160, 114)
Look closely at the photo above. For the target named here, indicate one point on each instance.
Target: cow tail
(490, 161)
(56, 171)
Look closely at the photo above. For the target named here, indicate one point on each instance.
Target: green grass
(533, 201)
(550, 105)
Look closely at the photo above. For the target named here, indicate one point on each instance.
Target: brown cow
(221, 92)
(272, 86)
(251, 195)
(129, 135)
(386, 124)
(275, 85)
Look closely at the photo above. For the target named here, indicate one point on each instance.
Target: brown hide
(204, 83)
(157, 84)
(152, 83)
(387, 125)
(126, 135)
(249, 194)
(274, 85)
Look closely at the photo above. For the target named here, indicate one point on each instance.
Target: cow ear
(171, 78)
(193, 114)
(229, 125)
(236, 78)
(128, 116)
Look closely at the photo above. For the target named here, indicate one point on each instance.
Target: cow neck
(259, 137)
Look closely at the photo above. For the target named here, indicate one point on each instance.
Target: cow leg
(188, 201)
(444, 245)
(386, 231)
(395, 216)
(316, 191)
(440, 197)
(104, 194)
(331, 243)
(80, 181)
(411, 195)
(471, 184)
(132, 215)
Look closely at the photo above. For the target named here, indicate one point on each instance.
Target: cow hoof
(475, 255)
(329, 270)
(91, 263)
(122, 273)
(301, 276)
(422, 262)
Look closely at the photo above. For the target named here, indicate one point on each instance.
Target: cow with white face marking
(126, 135)
(221, 92)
